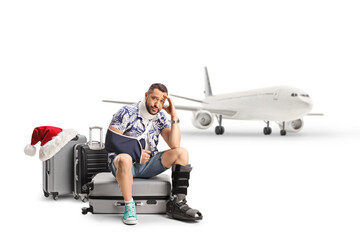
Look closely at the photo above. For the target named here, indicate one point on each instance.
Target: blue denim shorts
(150, 169)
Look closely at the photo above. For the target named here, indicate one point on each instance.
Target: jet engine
(202, 119)
(293, 126)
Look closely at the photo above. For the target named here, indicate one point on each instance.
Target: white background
(59, 59)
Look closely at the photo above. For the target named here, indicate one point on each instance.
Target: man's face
(155, 101)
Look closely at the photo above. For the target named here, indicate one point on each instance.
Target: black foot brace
(176, 207)
(181, 211)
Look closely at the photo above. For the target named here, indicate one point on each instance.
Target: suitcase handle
(100, 145)
(75, 170)
(118, 204)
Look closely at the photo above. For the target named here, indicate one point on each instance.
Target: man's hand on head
(171, 108)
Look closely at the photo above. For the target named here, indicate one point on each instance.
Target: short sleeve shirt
(129, 120)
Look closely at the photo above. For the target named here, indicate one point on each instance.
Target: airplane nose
(307, 101)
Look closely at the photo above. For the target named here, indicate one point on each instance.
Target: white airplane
(285, 105)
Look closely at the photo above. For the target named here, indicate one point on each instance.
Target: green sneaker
(130, 213)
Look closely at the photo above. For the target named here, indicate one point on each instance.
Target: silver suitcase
(150, 195)
(58, 171)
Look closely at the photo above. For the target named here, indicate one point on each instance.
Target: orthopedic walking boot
(176, 207)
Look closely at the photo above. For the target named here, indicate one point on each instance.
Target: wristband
(175, 121)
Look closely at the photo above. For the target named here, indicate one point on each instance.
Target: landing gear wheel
(219, 130)
(283, 131)
(267, 130)
(222, 130)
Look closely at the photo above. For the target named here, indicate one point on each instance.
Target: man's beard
(148, 108)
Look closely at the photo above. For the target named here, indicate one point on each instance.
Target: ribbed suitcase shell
(58, 171)
(88, 163)
(150, 195)
(89, 159)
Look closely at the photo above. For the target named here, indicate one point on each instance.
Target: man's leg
(175, 156)
(124, 177)
(176, 207)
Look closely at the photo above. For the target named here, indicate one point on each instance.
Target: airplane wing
(186, 98)
(212, 110)
(121, 102)
(315, 114)
(187, 108)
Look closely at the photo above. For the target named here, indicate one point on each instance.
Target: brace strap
(181, 183)
(178, 168)
(178, 190)
(177, 175)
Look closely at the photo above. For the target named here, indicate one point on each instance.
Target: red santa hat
(52, 140)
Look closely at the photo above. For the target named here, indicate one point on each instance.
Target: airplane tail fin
(207, 91)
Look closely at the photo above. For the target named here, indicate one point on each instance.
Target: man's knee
(123, 161)
(181, 156)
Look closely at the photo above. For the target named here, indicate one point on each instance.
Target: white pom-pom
(30, 150)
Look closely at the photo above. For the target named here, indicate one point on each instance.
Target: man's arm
(172, 135)
(145, 156)
(116, 130)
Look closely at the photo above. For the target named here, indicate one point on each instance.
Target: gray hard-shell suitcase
(150, 195)
(58, 171)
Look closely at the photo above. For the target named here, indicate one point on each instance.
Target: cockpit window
(303, 95)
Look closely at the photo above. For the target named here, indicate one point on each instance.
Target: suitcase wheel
(76, 196)
(85, 210)
(84, 198)
(55, 195)
(46, 194)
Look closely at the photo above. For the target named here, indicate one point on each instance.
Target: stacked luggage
(71, 169)
(81, 168)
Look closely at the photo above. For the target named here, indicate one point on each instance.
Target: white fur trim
(30, 150)
(52, 147)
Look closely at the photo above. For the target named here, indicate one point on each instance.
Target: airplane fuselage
(279, 103)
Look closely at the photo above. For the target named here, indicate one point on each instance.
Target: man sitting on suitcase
(145, 121)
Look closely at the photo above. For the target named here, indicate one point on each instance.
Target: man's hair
(159, 86)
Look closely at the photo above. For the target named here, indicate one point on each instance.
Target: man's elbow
(174, 145)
